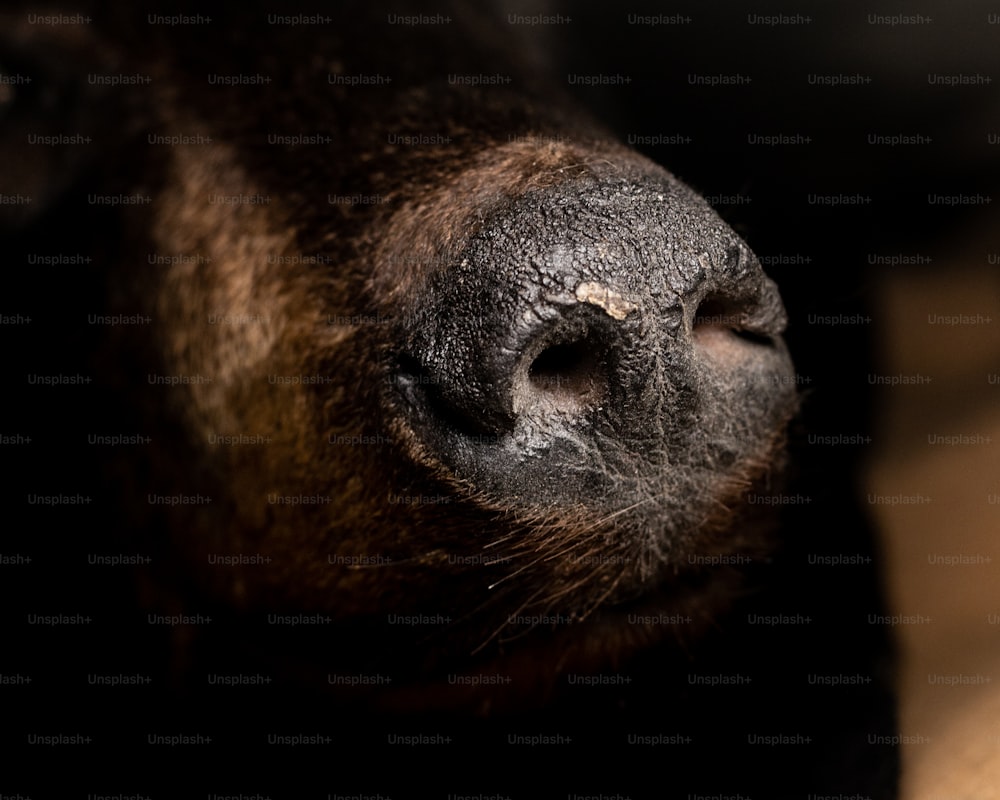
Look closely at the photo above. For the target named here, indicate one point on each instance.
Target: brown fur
(248, 307)
(570, 562)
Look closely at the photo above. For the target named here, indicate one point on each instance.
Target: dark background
(831, 262)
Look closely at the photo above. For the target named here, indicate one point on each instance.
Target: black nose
(486, 361)
(573, 337)
(569, 355)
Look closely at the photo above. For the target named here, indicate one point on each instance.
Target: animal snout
(580, 334)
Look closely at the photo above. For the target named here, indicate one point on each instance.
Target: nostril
(564, 368)
(568, 376)
(717, 316)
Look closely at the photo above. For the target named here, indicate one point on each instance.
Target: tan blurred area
(943, 555)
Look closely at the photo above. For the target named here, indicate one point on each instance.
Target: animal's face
(408, 387)
(595, 355)
(452, 350)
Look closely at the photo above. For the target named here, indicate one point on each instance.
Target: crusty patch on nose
(606, 298)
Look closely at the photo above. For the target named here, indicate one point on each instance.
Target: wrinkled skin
(531, 386)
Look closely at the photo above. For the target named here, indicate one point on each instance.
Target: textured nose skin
(609, 325)
(495, 354)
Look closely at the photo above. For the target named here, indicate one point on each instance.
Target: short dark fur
(685, 417)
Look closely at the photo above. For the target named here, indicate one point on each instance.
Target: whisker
(577, 540)
(506, 622)
(600, 600)
(501, 540)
